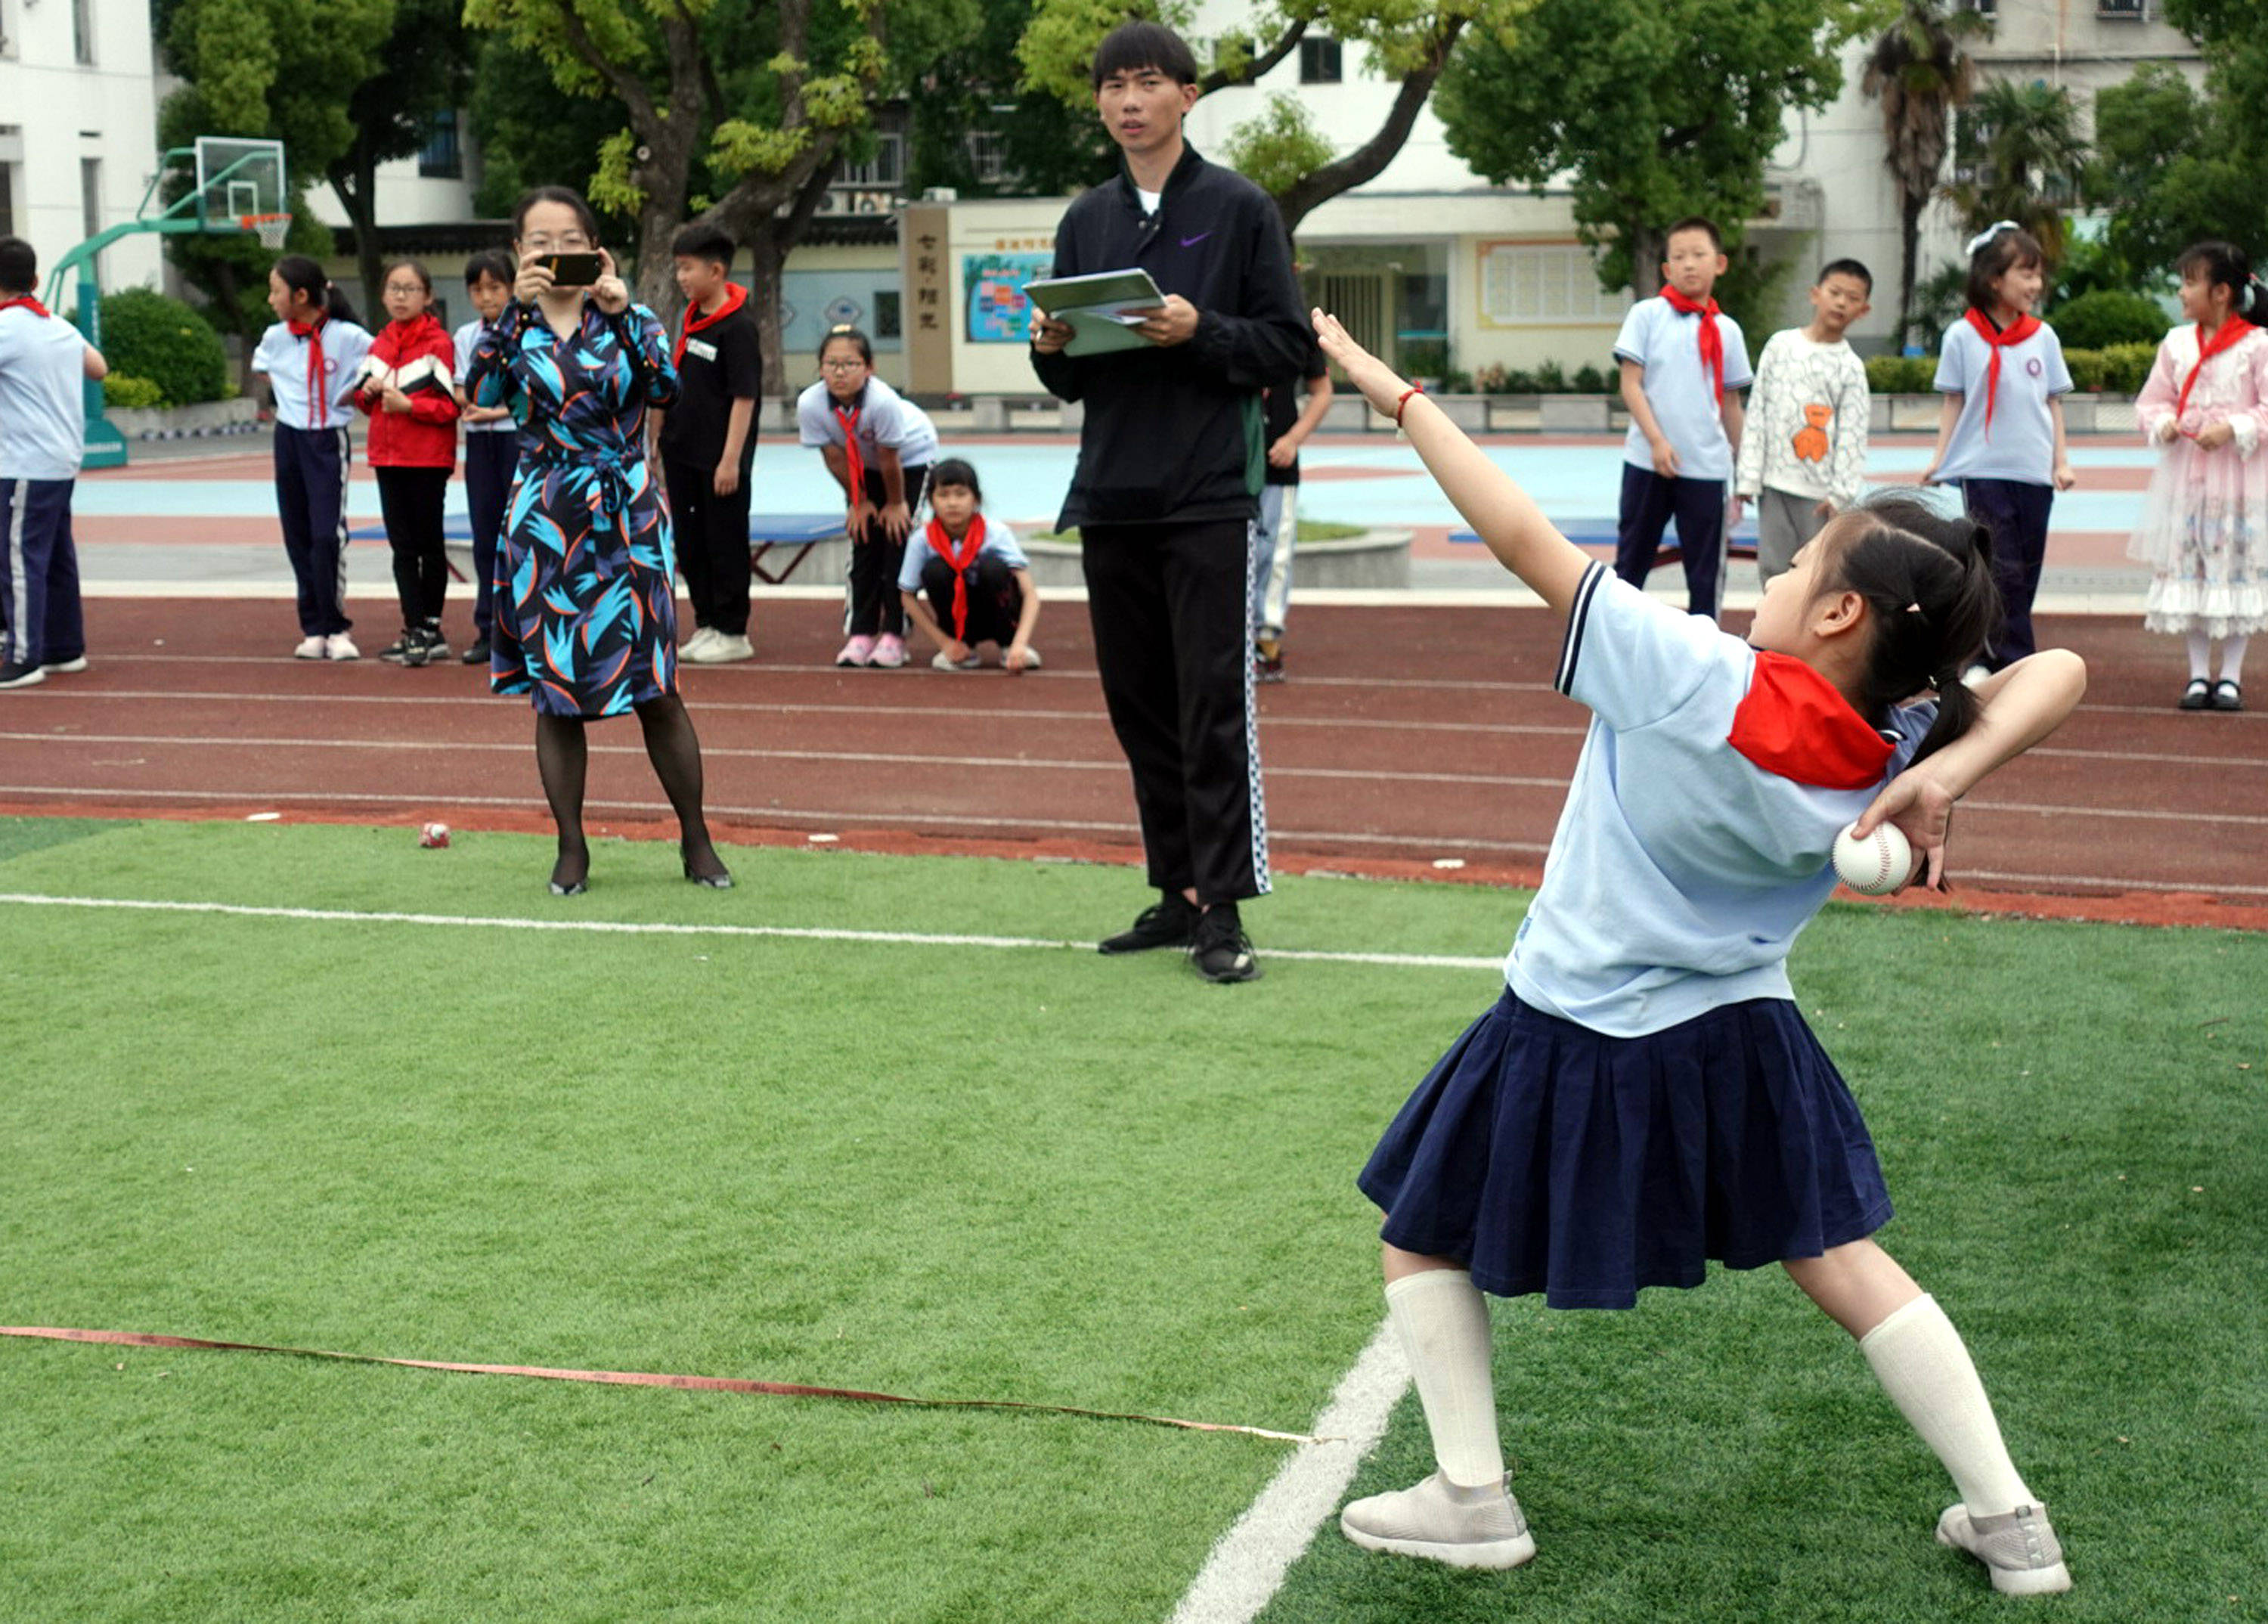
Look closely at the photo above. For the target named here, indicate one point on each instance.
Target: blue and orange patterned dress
(586, 599)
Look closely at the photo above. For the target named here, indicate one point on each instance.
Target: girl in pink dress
(2204, 520)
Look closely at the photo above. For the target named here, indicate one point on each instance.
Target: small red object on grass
(433, 835)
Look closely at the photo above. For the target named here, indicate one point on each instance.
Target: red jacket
(425, 436)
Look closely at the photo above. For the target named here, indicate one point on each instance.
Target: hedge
(148, 335)
(2121, 369)
(124, 389)
(2106, 318)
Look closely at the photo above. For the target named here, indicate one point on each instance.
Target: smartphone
(573, 270)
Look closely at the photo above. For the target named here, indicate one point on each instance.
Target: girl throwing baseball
(1644, 1096)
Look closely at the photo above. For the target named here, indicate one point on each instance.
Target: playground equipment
(237, 185)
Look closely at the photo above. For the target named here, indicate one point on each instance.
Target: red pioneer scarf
(848, 416)
(1712, 341)
(2230, 333)
(1795, 723)
(971, 544)
(735, 296)
(318, 397)
(28, 303)
(1999, 338)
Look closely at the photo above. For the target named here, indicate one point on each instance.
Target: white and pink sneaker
(859, 651)
(889, 651)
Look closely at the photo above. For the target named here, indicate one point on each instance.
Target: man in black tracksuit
(1170, 460)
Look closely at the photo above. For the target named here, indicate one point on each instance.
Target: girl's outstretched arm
(1514, 528)
(2019, 707)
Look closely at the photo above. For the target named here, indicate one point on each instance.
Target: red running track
(1408, 736)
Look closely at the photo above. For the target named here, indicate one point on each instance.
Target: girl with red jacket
(408, 390)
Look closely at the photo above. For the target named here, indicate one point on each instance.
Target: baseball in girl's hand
(1877, 864)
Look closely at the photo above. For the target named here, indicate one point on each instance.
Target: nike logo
(1192, 242)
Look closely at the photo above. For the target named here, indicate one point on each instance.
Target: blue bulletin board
(993, 284)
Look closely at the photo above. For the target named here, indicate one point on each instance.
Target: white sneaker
(310, 648)
(720, 649)
(339, 646)
(2018, 1548)
(1463, 1527)
(943, 661)
(691, 649)
(1031, 660)
(66, 667)
(889, 651)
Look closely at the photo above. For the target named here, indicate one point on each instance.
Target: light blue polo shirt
(285, 355)
(999, 543)
(1681, 872)
(2021, 445)
(43, 404)
(1681, 390)
(885, 418)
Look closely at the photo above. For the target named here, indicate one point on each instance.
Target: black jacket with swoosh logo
(1173, 434)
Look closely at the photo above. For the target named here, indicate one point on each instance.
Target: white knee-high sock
(2232, 658)
(1922, 1363)
(2200, 657)
(1443, 1322)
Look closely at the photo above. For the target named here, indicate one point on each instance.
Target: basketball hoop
(271, 229)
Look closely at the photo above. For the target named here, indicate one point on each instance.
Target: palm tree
(2022, 158)
(1919, 73)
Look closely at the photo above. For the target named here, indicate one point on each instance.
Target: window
(1319, 60)
(886, 167)
(1983, 8)
(90, 196)
(1545, 285)
(82, 32)
(8, 28)
(889, 321)
(988, 155)
(441, 157)
(2125, 10)
(8, 199)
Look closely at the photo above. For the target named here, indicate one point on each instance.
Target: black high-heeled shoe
(576, 890)
(720, 880)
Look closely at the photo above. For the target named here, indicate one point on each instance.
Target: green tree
(420, 71)
(1918, 72)
(2021, 157)
(2174, 167)
(1044, 146)
(736, 111)
(1409, 41)
(1654, 108)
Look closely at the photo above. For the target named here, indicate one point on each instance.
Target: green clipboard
(1099, 308)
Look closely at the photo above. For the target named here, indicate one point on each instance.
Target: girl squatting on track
(1646, 1097)
(2205, 520)
(312, 356)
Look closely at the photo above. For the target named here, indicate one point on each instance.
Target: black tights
(562, 758)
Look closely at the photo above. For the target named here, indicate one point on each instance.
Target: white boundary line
(630, 928)
(1249, 1563)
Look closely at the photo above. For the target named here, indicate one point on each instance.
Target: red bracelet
(1402, 405)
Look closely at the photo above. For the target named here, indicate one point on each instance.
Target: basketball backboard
(237, 179)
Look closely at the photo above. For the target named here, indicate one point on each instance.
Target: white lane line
(614, 927)
(1249, 1563)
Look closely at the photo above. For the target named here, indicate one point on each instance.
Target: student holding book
(408, 390)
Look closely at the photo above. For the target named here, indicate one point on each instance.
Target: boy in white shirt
(1803, 457)
(43, 361)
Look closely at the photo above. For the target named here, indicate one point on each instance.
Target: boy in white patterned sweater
(1804, 457)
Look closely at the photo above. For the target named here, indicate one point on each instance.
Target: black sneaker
(1220, 948)
(397, 652)
(15, 676)
(426, 646)
(476, 652)
(1172, 923)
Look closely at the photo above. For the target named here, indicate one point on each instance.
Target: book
(1103, 309)
(427, 374)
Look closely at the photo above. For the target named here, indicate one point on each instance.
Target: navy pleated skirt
(1548, 1158)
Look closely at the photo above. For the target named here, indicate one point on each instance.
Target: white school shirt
(1695, 842)
(42, 396)
(284, 356)
(466, 336)
(1806, 433)
(2020, 446)
(999, 543)
(1681, 390)
(885, 418)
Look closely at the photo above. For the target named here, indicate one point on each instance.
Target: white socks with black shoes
(1463, 1514)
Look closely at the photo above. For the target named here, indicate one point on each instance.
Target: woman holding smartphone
(586, 603)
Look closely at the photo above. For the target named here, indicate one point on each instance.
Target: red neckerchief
(28, 303)
(2000, 338)
(2230, 333)
(848, 416)
(735, 296)
(971, 544)
(1798, 725)
(319, 398)
(1712, 341)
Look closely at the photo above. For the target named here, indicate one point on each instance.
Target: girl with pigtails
(1644, 1097)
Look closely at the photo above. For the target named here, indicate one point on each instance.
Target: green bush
(1901, 375)
(2099, 320)
(149, 336)
(2120, 369)
(2086, 369)
(124, 389)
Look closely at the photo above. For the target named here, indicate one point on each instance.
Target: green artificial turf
(1028, 1173)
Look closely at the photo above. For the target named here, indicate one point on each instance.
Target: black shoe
(2198, 695)
(570, 877)
(15, 676)
(720, 880)
(398, 651)
(1172, 923)
(476, 652)
(2227, 695)
(1220, 948)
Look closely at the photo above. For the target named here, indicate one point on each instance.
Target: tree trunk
(750, 212)
(1910, 208)
(355, 184)
(1367, 161)
(1649, 247)
(766, 274)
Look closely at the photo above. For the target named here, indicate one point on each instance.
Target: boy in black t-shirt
(708, 444)
(1292, 411)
